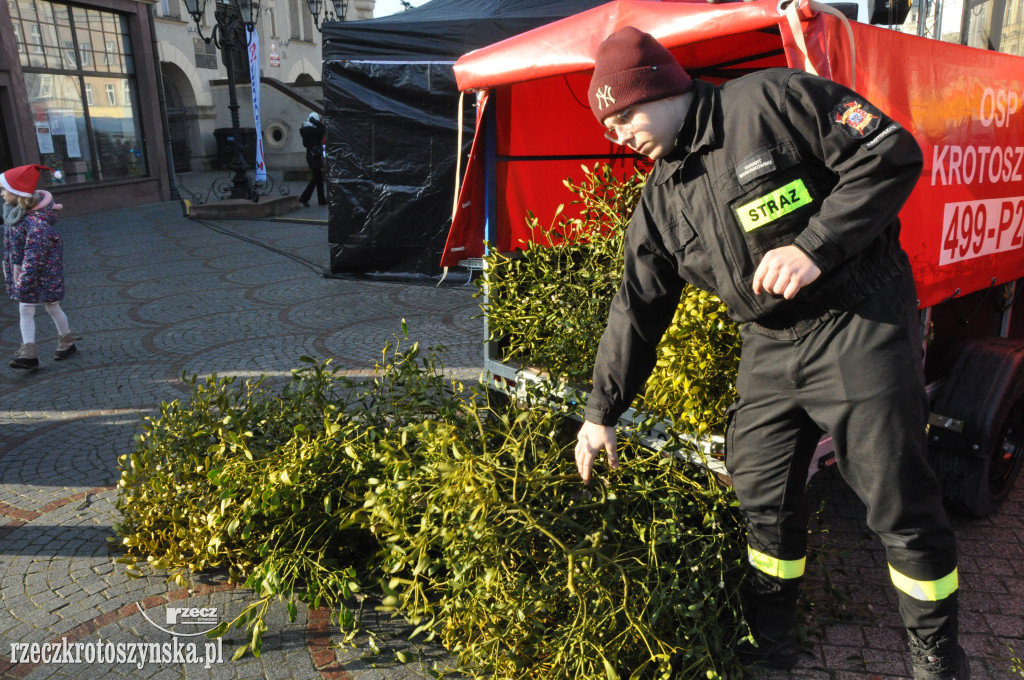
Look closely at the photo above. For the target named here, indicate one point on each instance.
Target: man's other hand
(784, 271)
(589, 442)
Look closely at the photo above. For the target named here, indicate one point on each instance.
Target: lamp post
(340, 10)
(229, 33)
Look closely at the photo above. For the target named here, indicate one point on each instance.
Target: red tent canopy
(963, 225)
(569, 46)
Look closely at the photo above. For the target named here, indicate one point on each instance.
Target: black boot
(769, 606)
(65, 347)
(941, 658)
(780, 652)
(26, 359)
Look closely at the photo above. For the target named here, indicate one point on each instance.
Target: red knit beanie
(631, 67)
(23, 179)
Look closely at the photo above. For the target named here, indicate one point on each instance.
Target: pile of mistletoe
(456, 508)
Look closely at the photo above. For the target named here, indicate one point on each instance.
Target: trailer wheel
(979, 465)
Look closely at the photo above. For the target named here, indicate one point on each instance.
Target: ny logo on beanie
(637, 68)
(604, 96)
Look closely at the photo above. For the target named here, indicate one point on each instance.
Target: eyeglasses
(622, 126)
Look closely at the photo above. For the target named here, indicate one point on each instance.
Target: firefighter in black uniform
(312, 134)
(779, 192)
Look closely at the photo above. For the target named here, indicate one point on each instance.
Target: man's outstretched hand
(589, 442)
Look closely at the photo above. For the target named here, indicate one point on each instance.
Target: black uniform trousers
(858, 376)
(315, 162)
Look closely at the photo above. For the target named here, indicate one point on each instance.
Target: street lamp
(340, 9)
(227, 34)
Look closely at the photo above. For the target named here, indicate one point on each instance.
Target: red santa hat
(23, 179)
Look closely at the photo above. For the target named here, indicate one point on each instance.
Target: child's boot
(65, 347)
(26, 358)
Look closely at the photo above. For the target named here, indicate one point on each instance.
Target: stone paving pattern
(153, 295)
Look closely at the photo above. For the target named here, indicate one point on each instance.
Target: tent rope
(793, 17)
(828, 9)
(458, 171)
(458, 156)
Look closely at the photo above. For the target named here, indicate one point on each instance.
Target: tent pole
(490, 206)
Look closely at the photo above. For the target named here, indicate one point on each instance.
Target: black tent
(392, 119)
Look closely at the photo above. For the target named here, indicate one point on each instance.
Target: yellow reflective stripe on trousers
(773, 566)
(929, 591)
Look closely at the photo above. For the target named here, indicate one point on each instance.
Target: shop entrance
(177, 123)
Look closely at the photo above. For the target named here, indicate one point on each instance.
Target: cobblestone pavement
(153, 295)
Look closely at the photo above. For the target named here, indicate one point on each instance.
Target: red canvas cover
(466, 235)
(963, 225)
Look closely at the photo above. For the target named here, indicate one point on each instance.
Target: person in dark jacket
(779, 192)
(312, 133)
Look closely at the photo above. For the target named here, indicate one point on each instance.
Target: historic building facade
(78, 93)
(118, 94)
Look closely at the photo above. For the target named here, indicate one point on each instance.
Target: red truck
(963, 226)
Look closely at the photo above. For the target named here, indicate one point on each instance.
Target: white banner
(254, 78)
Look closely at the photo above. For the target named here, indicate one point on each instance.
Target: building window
(40, 34)
(300, 21)
(294, 20)
(70, 60)
(19, 40)
(206, 55)
(170, 8)
(307, 26)
(984, 28)
(88, 140)
(35, 45)
(1013, 28)
(46, 85)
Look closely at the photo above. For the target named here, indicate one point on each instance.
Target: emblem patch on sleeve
(855, 118)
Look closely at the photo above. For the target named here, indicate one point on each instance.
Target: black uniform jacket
(778, 157)
(313, 139)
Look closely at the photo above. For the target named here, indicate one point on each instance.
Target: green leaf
(639, 672)
(221, 628)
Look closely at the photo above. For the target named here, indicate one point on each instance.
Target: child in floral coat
(33, 262)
